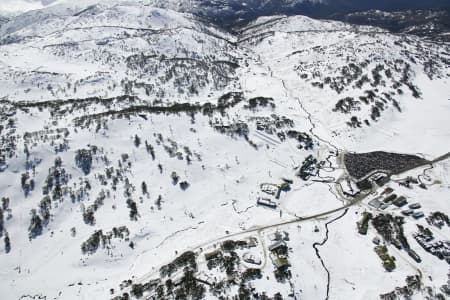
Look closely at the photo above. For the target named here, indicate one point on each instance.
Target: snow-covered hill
(145, 152)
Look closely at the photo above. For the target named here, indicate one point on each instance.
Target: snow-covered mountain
(146, 152)
(432, 23)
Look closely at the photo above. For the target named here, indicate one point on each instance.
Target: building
(415, 206)
(364, 184)
(213, 255)
(381, 180)
(280, 262)
(251, 242)
(414, 255)
(407, 212)
(266, 202)
(418, 215)
(387, 191)
(400, 201)
(349, 188)
(276, 246)
(269, 188)
(390, 198)
(375, 203)
(251, 259)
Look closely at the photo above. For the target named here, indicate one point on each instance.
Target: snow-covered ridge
(112, 43)
(283, 23)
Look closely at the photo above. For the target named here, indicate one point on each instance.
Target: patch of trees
(7, 242)
(251, 274)
(388, 261)
(309, 168)
(27, 183)
(273, 124)
(238, 128)
(133, 209)
(225, 102)
(361, 164)
(56, 181)
(99, 239)
(83, 160)
(305, 141)
(363, 224)
(89, 212)
(185, 260)
(413, 285)
(36, 225)
(438, 219)
(391, 229)
(346, 105)
(354, 122)
(91, 245)
(254, 103)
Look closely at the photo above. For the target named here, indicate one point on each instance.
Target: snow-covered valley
(146, 153)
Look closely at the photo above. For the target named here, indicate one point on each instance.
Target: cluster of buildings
(440, 249)
(398, 201)
(279, 255)
(272, 193)
(413, 211)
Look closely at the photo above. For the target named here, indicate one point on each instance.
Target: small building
(364, 184)
(280, 262)
(251, 242)
(349, 188)
(266, 202)
(387, 191)
(407, 212)
(375, 203)
(384, 206)
(251, 259)
(381, 180)
(269, 188)
(415, 206)
(276, 246)
(418, 215)
(376, 240)
(414, 255)
(400, 201)
(390, 198)
(213, 255)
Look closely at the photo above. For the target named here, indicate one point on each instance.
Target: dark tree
(133, 209)
(35, 227)
(144, 188)
(7, 243)
(175, 178)
(137, 141)
(184, 185)
(83, 160)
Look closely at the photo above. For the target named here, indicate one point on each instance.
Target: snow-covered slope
(107, 49)
(146, 153)
(362, 76)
